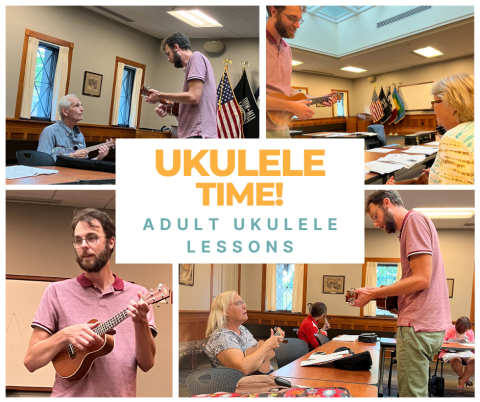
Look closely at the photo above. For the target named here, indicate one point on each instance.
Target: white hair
(64, 103)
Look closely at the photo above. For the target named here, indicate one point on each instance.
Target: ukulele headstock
(110, 143)
(350, 296)
(159, 295)
(144, 91)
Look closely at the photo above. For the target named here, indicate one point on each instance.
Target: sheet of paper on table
(20, 171)
(380, 150)
(421, 150)
(382, 167)
(402, 159)
(369, 134)
(346, 338)
(434, 143)
(336, 135)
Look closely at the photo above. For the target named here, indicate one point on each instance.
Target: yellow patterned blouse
(454, 163)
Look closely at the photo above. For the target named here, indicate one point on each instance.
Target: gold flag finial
(226, 62)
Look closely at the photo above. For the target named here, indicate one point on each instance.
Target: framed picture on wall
(186, 274)
(450, 287)
(92, 84)
(333, 284)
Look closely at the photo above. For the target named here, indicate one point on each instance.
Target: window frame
(129, 63)
(51, 47)
(263, 301)
(133, 72)
(364, 277)
(44, 38)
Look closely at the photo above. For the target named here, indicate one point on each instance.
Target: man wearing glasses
(67, 306)
(197, 109)
(283, 22)
(423, 304)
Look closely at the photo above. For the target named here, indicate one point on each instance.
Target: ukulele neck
(320, 99)
(106, 326)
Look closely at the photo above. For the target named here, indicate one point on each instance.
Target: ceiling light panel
(428, 52)
(447, 213)
(296, 63)
(353, 69)
(195, 18)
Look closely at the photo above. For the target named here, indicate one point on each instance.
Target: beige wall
(432, 72)
(335, 303)
(196, 297)
(457, 247)
(98, 40)
(38, 243)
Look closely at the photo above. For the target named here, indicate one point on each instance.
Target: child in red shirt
(309, 327)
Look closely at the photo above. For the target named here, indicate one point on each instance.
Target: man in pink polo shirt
(423, 305)
(197, 112)
(67, 306)
(283, 22)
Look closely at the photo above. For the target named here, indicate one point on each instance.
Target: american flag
(376, 108)
(229, 116)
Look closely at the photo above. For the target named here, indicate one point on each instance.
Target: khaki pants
(415, 351)
(285, 133)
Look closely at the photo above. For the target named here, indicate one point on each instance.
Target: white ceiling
(237, 21)
(436, 199)
(101, 199)
(454, 41)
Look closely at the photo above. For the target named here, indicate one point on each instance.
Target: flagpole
(225, 61)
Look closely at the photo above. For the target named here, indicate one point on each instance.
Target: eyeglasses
(166, 52)
(90, 239)
(374, 216)
(436, 101)
(293, 19)
(239, 303)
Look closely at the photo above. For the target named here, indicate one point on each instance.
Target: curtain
(135, 97)
(371, 280)
(297, 294)
(29, 80)
(271, 287)
(60, 81)
(118, 92)
(399, 272)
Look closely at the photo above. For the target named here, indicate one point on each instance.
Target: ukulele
(172, 107)
(281, 117)
(67, 151)
(389, 303)
(265, 366)
(73, 364)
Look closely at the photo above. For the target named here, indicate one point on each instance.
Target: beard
(389, 221)
(283, 31)
(97, 264)
(177, 60)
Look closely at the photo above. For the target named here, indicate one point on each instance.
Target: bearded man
(423, 303)
(67, 306)
(197, 109)
(283, 22)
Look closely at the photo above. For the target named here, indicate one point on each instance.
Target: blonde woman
(453, 104)
(228, 339)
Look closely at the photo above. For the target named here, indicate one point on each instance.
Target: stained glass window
(47, 56)
(386, 275)
(284, 286)
(126, 96)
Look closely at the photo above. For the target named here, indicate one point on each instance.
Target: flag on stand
(393, 116)
(387, 108)
(229, 116)
(376, 108)
(249, 107)
(399, 105)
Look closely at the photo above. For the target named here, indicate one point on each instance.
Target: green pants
(415, 351)
(278, 133)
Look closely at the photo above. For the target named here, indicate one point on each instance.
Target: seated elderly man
(65, 133)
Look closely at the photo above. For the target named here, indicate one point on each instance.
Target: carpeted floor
(451, 379)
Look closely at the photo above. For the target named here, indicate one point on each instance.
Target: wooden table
(328, 372)
(457, 347)
(356, 390)
(373, 156)
(326, 135)
(66, 176)
(355, 346)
